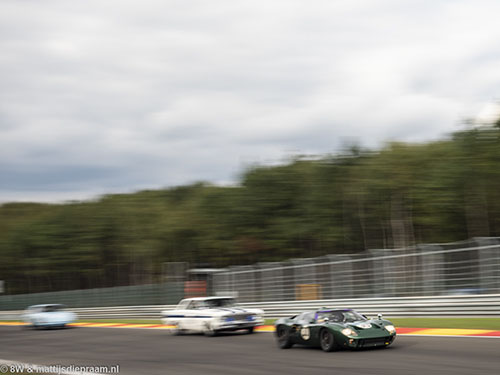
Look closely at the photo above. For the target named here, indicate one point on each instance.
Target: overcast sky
(116, 96)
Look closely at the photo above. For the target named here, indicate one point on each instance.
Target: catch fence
(464, 268)
(470, 267)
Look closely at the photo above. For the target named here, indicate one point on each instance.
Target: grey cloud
(121, 95)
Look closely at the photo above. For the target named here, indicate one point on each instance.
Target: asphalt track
(146, 351)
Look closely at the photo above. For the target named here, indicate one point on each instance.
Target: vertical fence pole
(433, 269)
(489, 265)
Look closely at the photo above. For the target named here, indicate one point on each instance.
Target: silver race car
(49, 315)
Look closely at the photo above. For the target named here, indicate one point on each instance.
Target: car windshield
(53, 308)
(339, 316)
(219, 302)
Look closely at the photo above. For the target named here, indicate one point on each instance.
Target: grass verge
(471, 323)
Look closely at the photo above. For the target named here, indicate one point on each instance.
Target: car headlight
(390, 328)
(349, 332)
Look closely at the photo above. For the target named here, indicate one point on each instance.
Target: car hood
(369, 328)
(364, 324)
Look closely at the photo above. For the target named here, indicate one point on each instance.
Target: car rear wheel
(175, 330)
(209, 331)
(250, 330)
(283, 337)
(327, 341)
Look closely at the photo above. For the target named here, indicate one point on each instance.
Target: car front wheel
(327, 341)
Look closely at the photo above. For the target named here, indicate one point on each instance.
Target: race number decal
(305, 333)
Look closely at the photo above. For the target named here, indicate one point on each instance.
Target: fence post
(304, 279)
(433, 272)
(271, 281)
(340, 280)
(383, 271)
(174, 276)
(489, 265)
(244, 282)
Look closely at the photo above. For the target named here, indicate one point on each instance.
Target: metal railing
(440, 306)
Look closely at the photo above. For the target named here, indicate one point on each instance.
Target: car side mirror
(379, 316)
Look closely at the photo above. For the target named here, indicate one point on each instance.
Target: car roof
(45, 305)
(207, 298)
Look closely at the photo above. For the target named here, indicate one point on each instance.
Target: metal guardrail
(470, 305)
(437, 306)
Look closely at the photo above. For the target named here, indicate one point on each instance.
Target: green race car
(333, 329)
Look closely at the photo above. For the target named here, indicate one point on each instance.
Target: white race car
(53, 315)
(211, 315)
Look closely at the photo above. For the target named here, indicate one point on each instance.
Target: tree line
(394, 197)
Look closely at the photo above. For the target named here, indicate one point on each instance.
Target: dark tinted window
(339, 316)
(220, 302)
